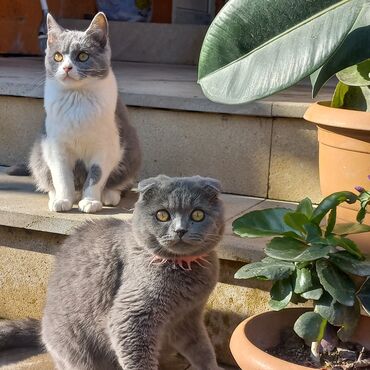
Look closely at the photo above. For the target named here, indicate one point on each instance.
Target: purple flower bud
(360, 189)
(368, 176)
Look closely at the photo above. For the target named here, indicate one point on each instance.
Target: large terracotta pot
(263, 331)
(344, 156)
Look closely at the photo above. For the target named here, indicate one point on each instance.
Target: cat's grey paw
(111, 197)
(60, 205)
(90, 205)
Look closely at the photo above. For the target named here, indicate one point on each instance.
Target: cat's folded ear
(210, 186)
(98, 29)
(146, 187)
(54, 29)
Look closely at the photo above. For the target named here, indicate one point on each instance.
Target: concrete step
(33, 359)
(262, 149)
(30, 236)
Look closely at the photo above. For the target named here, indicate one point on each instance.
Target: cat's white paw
(111, 197)
(60, 205)
(90, 205)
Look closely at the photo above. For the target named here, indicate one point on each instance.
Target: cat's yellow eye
(197, 215)
(58, 57)
(83, 57)
(163, 216)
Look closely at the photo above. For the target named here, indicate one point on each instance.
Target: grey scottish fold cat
(120, 289)
(89, 153)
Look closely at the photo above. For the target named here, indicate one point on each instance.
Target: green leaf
(303, 280)
(255, 48)
(314, 234)
(364, 295)
(314, 294)
(331, 221)
(280, 293)
(350, 264)
(330, 202)
(338, 314)
(352, 97)
(268, 269)
(290, 249)
(351, 321)
(347, 244)
(338, 97)
(364, 201)
(296, 220)
(310, 326)
(331, 310)
(356, 75)
(337, 284)
(350, 228)
(361, 215)
(305, 207)
(354, 49)
(266, 222)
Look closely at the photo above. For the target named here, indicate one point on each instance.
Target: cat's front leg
(61, 199)
(135, 336)
(189, 336)
(98, 174)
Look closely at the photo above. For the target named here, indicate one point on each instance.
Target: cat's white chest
(75, 111)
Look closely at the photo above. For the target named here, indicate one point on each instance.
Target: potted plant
(307, 261)
(255, 48)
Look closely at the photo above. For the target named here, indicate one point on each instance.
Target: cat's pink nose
(67, 69)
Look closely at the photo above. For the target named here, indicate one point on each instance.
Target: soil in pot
(346, 356)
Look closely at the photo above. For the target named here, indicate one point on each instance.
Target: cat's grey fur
(86, 125)
(108, 307)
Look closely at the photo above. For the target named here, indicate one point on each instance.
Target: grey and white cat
(89, 152)
(120, 289)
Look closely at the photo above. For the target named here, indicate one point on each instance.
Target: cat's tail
(20, 169)
(20, 333)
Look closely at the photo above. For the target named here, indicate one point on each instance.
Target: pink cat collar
(183, 262)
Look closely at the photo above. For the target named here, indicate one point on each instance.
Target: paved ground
(31, 359)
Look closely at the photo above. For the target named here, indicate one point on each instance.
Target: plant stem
(315, 352)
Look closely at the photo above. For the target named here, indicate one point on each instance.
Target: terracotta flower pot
(344, 156)
(263, 331)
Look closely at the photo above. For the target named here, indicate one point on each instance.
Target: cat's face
(179, 216)
(74, 58)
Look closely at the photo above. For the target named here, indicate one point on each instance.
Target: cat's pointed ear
(98, 29)
(54, 29)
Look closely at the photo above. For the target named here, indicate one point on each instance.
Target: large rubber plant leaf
(267, 269)
(310, 326)
(255, 48)
(280, 293)
(354, 49)
(266, 222)
(337, 284)
(293, 250)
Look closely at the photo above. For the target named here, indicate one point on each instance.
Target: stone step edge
(22, 207)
